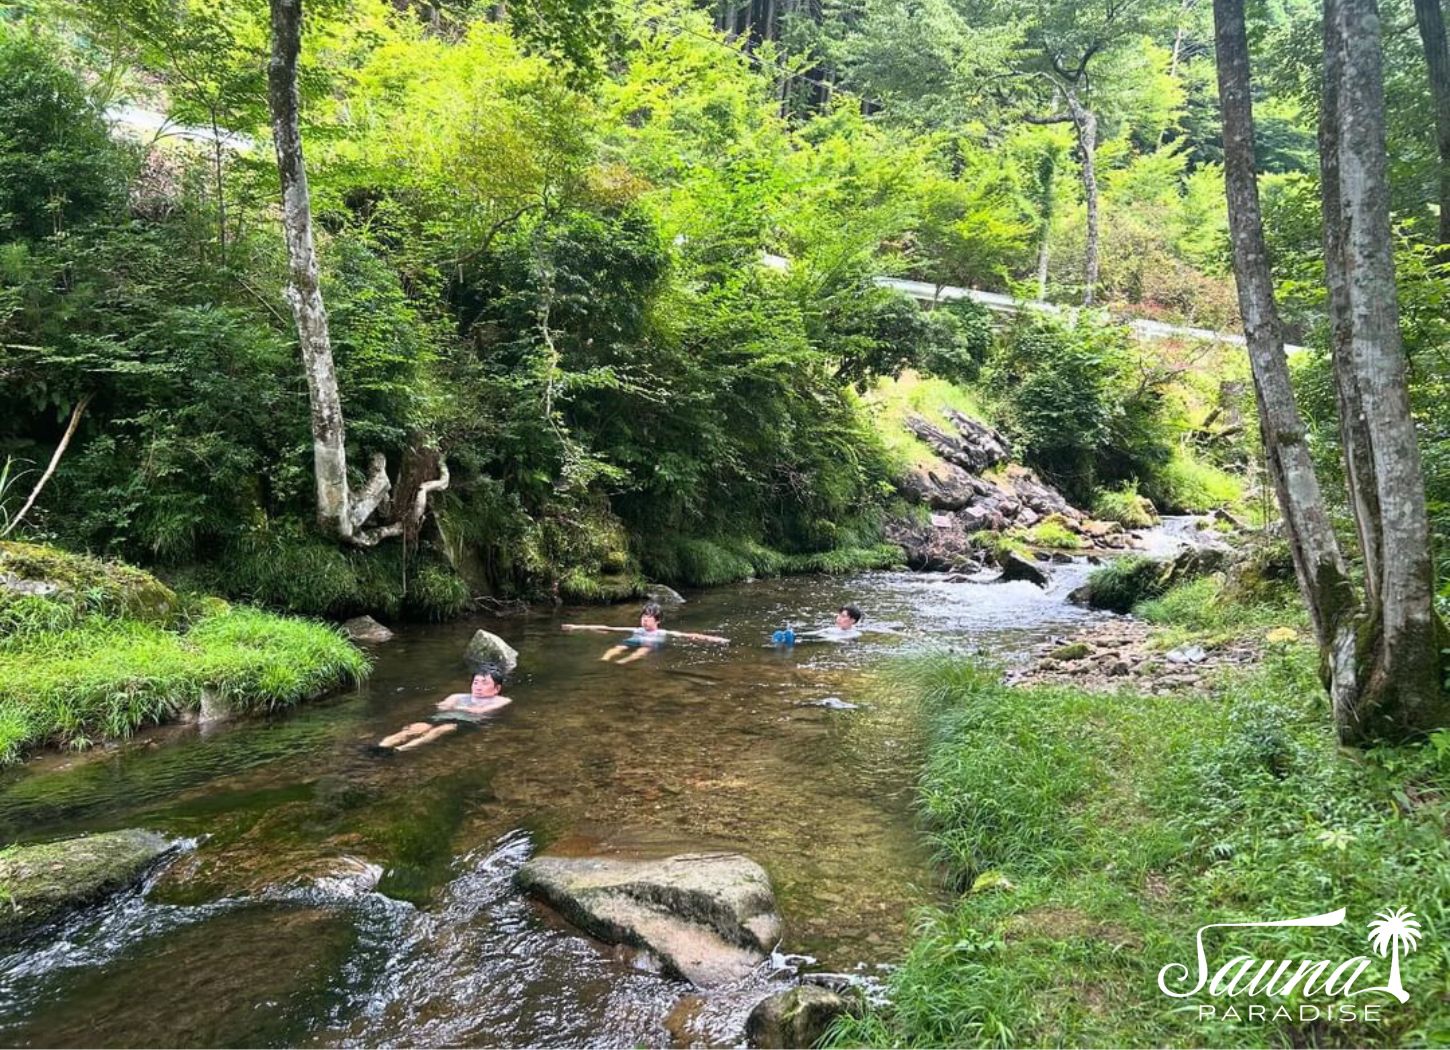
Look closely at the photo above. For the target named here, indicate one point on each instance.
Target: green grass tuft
(1126, 507)
(1053, 532)
(1189, 486)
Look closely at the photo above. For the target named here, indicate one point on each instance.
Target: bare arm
(595, 627)
(714, 638)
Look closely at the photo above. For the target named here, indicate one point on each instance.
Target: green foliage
(1091, 834)
(962, 341)
(1053, 532)
(106, 678)
(1186, 485)
(1071, 397)
(1126, 507)
(1122, 583)
(288, 567)
(58, 166)
(1206, 605)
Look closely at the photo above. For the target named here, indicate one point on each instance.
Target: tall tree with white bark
(1380, 648)
(339, 512)
(1066, 48)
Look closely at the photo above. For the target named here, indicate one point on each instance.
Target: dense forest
(1124, 324)
(541, 240)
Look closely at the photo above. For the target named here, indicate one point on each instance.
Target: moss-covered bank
(92, 650)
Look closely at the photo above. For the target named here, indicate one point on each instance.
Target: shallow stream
(331, 897)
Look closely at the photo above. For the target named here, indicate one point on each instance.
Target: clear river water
(325, 896)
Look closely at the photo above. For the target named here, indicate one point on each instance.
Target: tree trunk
(1086, 124)
(1046, 179)
(1317, 561)
(1403, 691)
(1431, 21)
(1354, 434)
(77, 410)
(303, 291)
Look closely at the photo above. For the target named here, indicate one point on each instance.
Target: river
(330, 897)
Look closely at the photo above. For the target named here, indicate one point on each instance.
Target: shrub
(1072, 399)
(1187, 485)
(958, 341)
(1125, 506)
(1122, 583)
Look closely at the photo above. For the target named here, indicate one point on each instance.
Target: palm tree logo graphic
(1389, 934)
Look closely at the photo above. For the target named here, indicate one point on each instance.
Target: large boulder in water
(41, 883)
(488, 649)
(1016, 567)
(710, 917)
(799, 1016)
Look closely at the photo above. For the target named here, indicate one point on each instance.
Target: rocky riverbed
(1122, 654)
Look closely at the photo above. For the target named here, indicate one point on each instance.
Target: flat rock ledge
(709, 917)
(39, 884)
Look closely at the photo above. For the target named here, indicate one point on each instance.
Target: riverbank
(1090, 834)
(90, 651)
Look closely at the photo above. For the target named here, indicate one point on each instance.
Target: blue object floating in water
(785, 637)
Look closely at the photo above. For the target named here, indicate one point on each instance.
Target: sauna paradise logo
(1251, 990)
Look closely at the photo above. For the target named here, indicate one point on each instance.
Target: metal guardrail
(925, 292)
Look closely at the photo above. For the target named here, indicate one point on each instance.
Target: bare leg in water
(416, 735)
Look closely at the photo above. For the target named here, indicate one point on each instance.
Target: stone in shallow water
(366, 630)
(1016, 567)
(798, 1017)
(710, 917)
(42, 883)
(487, 648)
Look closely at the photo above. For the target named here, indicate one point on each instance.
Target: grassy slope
(891, 401)
(1092, 835)
(92, 662)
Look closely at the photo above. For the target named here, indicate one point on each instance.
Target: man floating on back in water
(453, 711)
(845, 629)
(647, 636)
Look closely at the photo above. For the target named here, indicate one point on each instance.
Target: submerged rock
(39, 884)
(710, 917)
(797, 1017)
(366, 630)
(487, 648)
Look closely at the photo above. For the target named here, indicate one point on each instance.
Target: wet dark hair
(851, 611)
(653, 609)
(494, 671)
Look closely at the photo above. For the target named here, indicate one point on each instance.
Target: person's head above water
(847, 616)
(488, 682)
(651, 616)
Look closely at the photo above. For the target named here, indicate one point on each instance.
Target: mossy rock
(798, 1017)
(90, 584)
(39, 884)
(1261, 573)
(1071, 651)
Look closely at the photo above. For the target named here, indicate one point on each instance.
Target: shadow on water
(270, 932)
